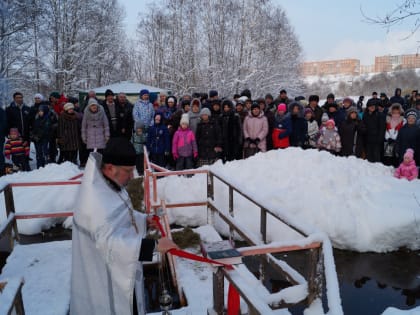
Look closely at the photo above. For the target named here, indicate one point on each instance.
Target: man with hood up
(397, 98)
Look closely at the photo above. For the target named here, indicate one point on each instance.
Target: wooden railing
(9, 229)
(315, 274)
(258, 245)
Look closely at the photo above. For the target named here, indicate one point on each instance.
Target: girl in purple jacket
(184, 145)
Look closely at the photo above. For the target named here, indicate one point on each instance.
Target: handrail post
(210, 195)
(263, 225)
(315, 277)
(218, 291)
(231, 230)
(10, 207)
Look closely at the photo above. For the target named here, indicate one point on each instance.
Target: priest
(108, 241)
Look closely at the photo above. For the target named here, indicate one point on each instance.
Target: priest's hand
(151, 223)
(165, 244)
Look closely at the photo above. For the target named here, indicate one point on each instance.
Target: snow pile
(43, 198)
(360, 205)
(46, 269)
(394, 311)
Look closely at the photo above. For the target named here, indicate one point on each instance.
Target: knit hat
(409, 153)
(68, 106)
(55, 94)
(307, 111)
(119, 151)
(330, 122)
(184, 119)
(213, 93)
(143, 92)
(171, 99)
(138, 124)
(330, 96)
(247, 93)
(324, 117)
(92, 101)
(411, 113)
(348, 100)
(39, 95)
(281, 107)
(108, 93)
(205, 111)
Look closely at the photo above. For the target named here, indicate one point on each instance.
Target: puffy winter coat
(184, 143)
(125, 122)
(352, 135)
(158, 140)
(256, 128)
(282, 131)
(329, 140)
(407, 170)
(408, 137)
(19, 117)
(194, 117)
(95, 128)
(299, 126)
(208, 137)
(144, 112)
(68, 133)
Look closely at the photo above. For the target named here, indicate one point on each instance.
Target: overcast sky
(330, 29)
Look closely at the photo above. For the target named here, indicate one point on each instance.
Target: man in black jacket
(375, 132)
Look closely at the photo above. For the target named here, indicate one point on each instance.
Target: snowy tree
(226, 45)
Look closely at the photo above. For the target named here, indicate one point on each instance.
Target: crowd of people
(199, 129)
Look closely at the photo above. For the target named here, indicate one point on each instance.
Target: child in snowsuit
(17, 149)
(158, 141)
(407, 168)
(329, 139)
(313, 130)
(138, 139)
(184, 145)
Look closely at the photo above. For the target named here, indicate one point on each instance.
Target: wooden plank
(24, 216)
(6, 226)
(255, 250)
(181, 205)
(10, 208)
(33, 184)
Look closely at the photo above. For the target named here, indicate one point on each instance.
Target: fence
(8, 229)
(258, 246)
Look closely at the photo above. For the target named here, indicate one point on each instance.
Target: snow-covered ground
(358, 204)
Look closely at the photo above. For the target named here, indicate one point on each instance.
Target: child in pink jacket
(407, 168)
(184, 145)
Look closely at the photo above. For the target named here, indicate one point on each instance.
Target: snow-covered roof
(127, 87)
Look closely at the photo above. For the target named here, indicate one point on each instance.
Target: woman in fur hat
(95, 126)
